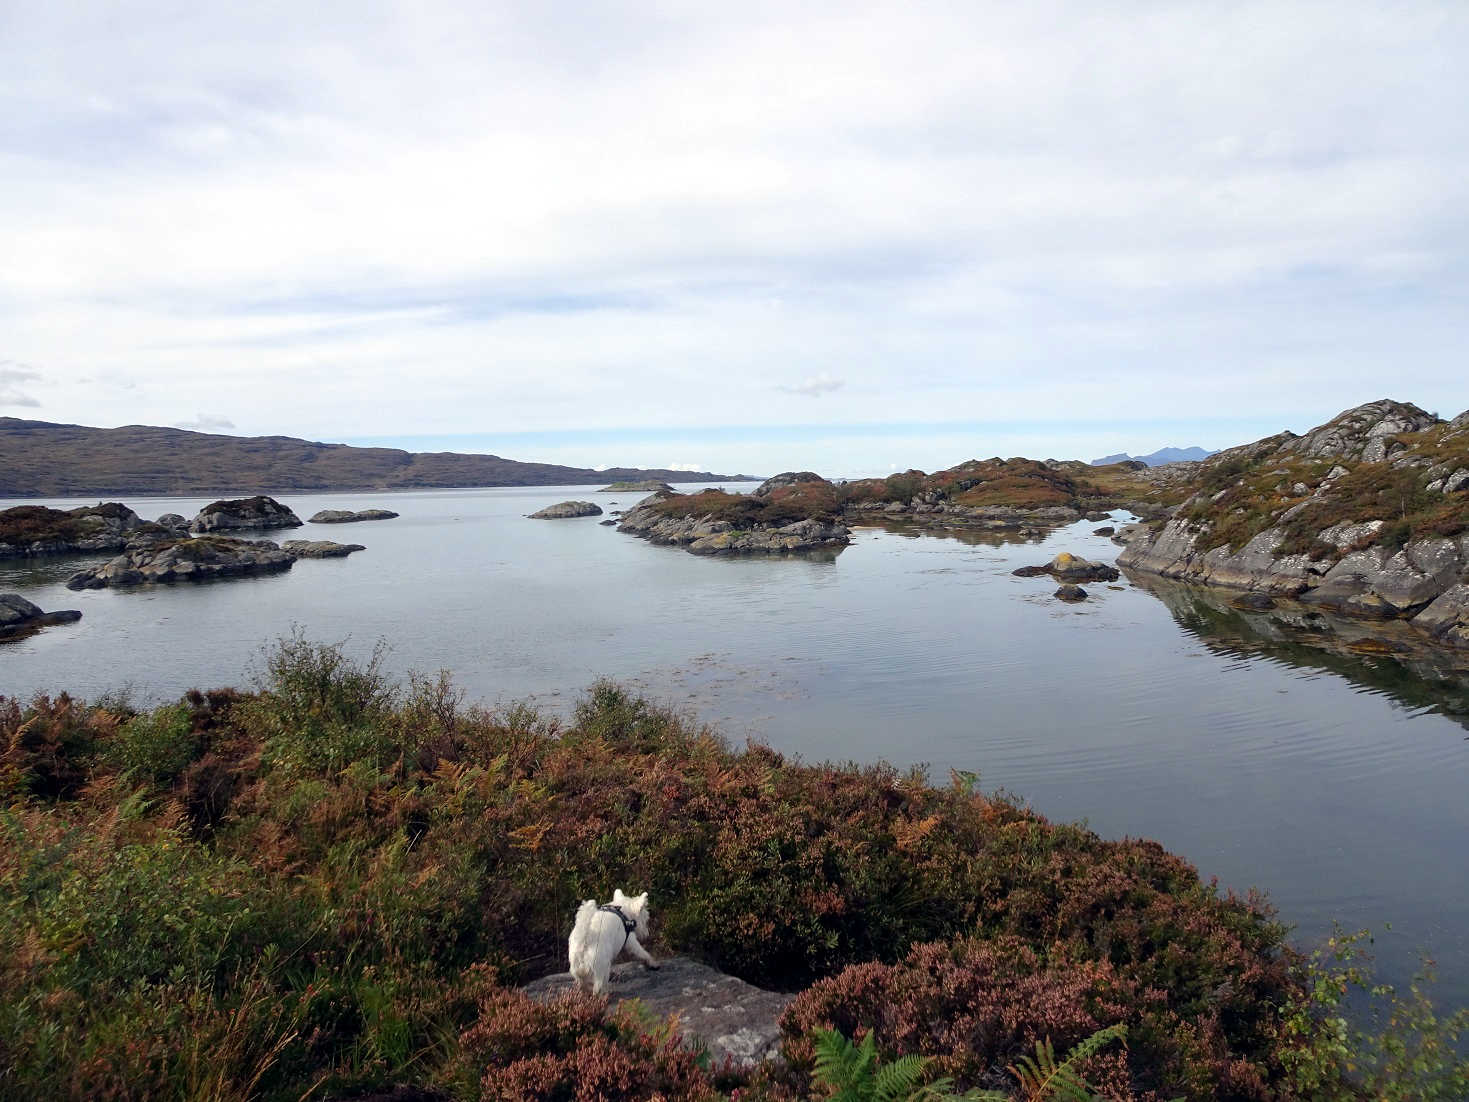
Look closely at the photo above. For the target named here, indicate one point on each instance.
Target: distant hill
(38, 458)
(1155, 459)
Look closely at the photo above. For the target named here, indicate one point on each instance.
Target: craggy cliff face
(1366, 515)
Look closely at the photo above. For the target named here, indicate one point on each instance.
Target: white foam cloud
(814, 387)
(205, 422)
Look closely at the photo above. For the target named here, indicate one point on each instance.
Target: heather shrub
(575, 1048)
(971, 1008)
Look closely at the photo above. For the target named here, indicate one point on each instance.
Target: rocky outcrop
(244, 514)
(1365, 516)
(187, 560)
(19, 617)
(320, 549)
(29, 530)
(792, 513)
(1066, 567)
(644, 486)
(567, 509)
(347, 516)
(174, 521)
(729, 1017)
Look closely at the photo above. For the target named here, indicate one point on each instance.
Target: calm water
(1333, 781)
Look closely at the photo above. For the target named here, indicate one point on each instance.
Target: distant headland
(40, 459)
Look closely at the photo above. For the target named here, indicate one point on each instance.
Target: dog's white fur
(597, 939)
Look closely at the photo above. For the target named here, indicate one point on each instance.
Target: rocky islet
(19, 616)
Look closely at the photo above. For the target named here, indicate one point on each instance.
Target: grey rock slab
(347, 516)
(320, 549)
(20, 617)
(567, 509)
(732, 1018)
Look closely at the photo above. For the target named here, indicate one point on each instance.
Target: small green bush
(159, 745)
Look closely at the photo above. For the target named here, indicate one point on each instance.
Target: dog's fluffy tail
(585, 912)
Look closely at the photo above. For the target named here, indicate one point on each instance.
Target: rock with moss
(1066, 567)
(186, 560)
(20, 617)
(791, 513)
(567, 509)
(31, 530)
(1366, 516)
(258, 512)
(348, 516)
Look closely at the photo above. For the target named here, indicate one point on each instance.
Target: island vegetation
(332, 885)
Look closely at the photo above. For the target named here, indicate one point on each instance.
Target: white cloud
(815, 386)
(446, 217)
(12, 376)
(205, 422)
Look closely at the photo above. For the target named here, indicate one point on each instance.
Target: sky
(849, 237)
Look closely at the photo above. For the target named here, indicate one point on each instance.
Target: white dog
(601, 933)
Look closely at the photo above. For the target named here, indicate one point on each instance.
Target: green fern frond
(1044, 1080)
(836, 1058)
(898, 1080)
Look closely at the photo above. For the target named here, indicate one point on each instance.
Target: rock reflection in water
(1388, 658)
(968, 535)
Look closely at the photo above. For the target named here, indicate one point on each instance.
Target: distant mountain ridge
(39, 459)
(1157, 458)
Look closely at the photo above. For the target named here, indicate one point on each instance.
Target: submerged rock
(568, 509)
(19, 617)
(347, 516)
(730, 1017)
(1254, 602)
(244, 513)
(1070, 593)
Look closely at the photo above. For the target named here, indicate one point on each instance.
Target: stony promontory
(185, 560)
(567, 509)
(791, 513)
(19, 617)
(28, 530)
(728, 1017)
(244, 513)
(348, 516)
(1366, 515)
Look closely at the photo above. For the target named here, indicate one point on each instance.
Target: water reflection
(971, 537)
(1384, 657)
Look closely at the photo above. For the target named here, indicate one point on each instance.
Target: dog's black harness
(628, 925)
